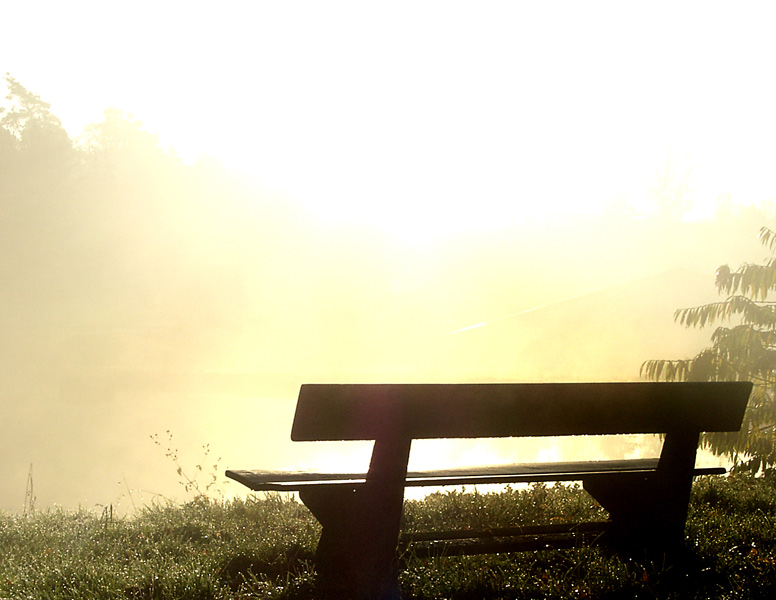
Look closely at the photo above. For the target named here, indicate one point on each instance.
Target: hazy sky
(409, 114)
(417, 117)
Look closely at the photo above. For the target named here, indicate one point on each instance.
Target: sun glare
(456, 193)
(474, 120)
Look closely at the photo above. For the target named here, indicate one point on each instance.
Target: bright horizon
(426, 118)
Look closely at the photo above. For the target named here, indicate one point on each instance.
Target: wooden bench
(647, 499)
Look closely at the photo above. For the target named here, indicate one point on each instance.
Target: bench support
(356, 555)
(649, 511)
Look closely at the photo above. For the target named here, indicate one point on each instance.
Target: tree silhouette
(744, 350)
(30, 128)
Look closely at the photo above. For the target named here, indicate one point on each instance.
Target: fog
(445, 195)
(201, 310)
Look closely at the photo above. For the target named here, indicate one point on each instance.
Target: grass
(262, 547)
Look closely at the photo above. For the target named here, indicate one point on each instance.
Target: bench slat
(331, 412)
(505, 539)
(511, 539)
(515, 473)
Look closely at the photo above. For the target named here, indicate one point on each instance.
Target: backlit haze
(418, 191)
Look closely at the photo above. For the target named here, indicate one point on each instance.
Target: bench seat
(290, 481)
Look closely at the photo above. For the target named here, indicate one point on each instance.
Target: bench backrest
(327, 412)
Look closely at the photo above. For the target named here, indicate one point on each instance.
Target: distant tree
(38, 165)
(29, 122)
(745, 350)
(121, 133)
(669, 193)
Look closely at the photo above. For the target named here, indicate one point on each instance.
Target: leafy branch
(746, 350)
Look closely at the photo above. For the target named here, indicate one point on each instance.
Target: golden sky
(426, 117)
(478, 135)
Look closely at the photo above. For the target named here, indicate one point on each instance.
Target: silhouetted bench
(647, 499)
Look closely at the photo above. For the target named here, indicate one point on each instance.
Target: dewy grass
(535, 505)
(263, 547)
(166, 551)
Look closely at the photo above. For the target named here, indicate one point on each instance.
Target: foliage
(262, 547)
(108, 233)
(28, 118)
(745, 350)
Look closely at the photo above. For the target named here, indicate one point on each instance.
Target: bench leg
(356, 554)
(634, 505)
(650, 511)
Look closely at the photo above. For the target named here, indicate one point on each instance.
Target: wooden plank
(506, 539)
(503, 474)
(588, 466)
(564, 537)
(501, 532)
(329, 412)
